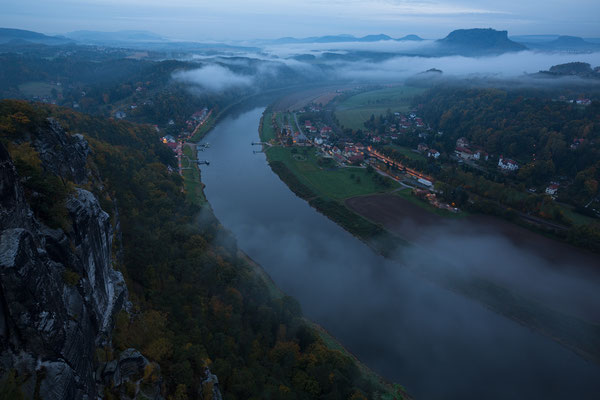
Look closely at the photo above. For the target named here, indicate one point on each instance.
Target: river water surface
(436, 343)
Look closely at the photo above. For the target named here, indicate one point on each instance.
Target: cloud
(502, 66)
(387, 46)
(402, 324)
(214, 78)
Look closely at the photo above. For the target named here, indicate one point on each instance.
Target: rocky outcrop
(58, 290)
(63, 154)
(209, 389)
(12, 212)
(92, 234)
(133, 368)
(45, 322)
(477, 42)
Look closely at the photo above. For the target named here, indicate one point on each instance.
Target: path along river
(435, 342)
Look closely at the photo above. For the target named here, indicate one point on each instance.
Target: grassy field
(578, 219)
(355, 118)
(31, 89)
(191, 177)
(268, 133)
(355, 110)
(334, 183)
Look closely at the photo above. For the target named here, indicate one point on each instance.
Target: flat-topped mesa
(478, 42)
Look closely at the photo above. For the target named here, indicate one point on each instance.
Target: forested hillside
(197, 300)
(549, 138)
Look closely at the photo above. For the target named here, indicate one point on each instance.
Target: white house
(480, 155)
(552, 189)
(433, 153)
(464, 153)
(507, 164)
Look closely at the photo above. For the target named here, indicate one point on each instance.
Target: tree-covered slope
(198, 301)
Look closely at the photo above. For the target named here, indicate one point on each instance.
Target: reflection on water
(433, 341)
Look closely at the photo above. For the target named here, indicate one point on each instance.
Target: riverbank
(195, 194)
(370, 233)
(436, 342)
(325, 186)
(390, 222)
(194, 188)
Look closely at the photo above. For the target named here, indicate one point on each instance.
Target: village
(370, 148)
(346, 152)
(196, 121)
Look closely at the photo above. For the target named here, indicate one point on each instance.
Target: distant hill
(414, 38)
(533, 38)
(473, 42)
(22, 36)
(338, 39)
(580, 69)
(97, 37)
(566, 43)
(374, 38)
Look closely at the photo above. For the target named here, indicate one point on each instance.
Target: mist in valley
(268, 70)
(468, 307)
(406, 317)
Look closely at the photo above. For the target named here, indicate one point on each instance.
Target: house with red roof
(464, 153)
(552, 189)
(433, 153)
(507, 164)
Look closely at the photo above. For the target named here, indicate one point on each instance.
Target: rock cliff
(58, 289)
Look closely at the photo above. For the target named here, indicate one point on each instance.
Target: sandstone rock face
(134, 368)
(42, 317)
(63, 154)
(58, 291)
(92, 235)
(12, 212)
(210, 387)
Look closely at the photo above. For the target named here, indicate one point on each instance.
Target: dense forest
(198, 301)
(554, 141)
(102, 81)
(548, 138)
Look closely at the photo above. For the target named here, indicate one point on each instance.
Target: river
(436, 343)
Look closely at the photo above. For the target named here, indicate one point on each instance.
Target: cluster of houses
(298, 138)
(199, 117)
(170, 141)
(119, 114)
(349, 153)
(402, 124)
(464, 151)
(582, 101)
(176, 146)
(429, 152)
(319, 132)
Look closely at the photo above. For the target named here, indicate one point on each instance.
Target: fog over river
(435, 342)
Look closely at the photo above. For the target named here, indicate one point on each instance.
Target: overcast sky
(247, 19)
